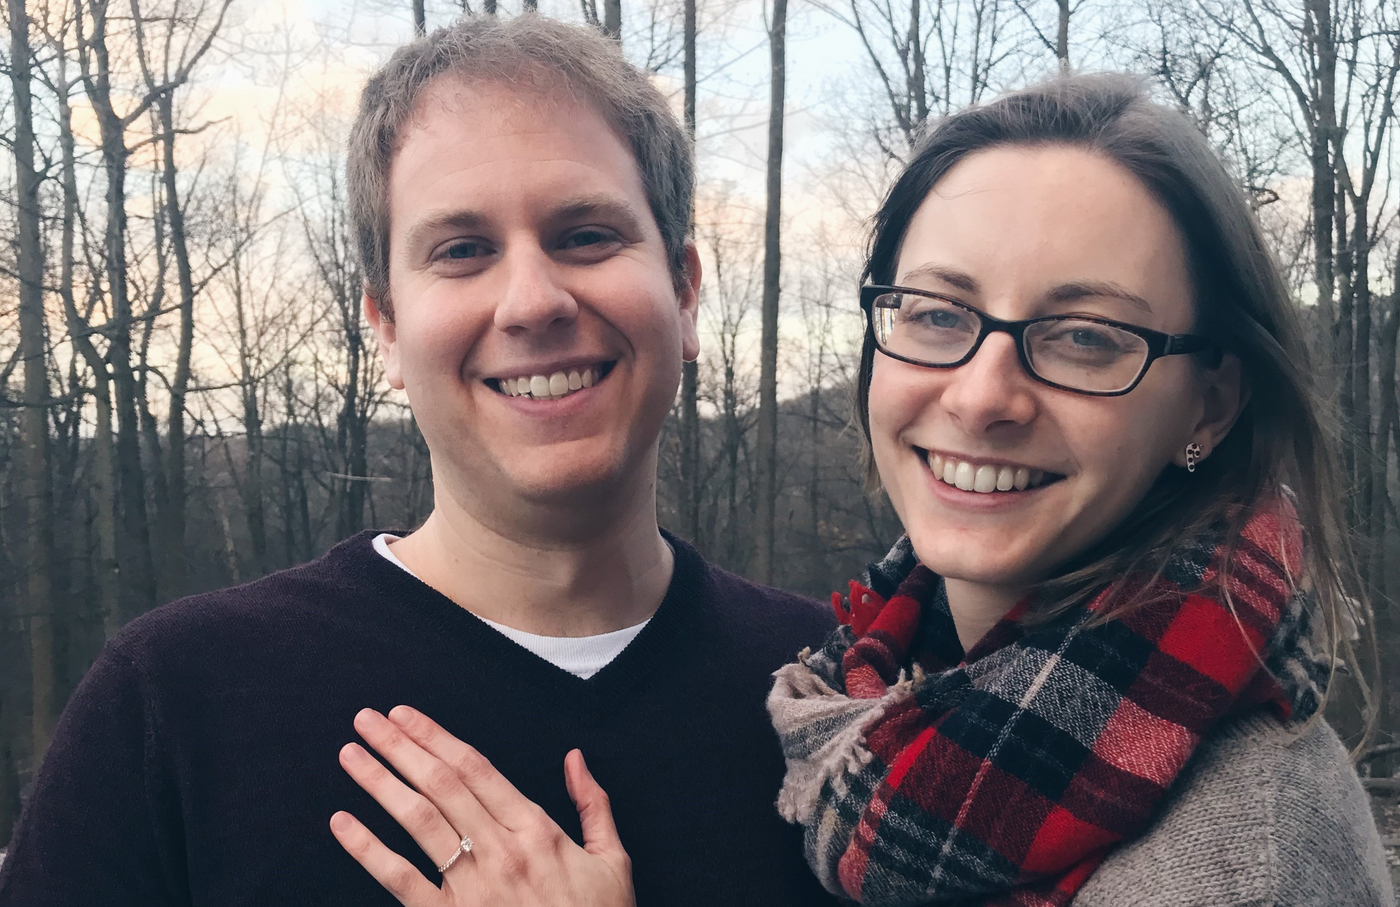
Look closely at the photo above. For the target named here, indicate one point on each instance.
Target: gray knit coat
(1261, 816)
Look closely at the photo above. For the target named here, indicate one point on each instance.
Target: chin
(968, 557)
(581, 482)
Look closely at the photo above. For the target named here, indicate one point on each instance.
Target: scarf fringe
(802, 699)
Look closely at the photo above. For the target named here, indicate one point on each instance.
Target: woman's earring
(1193, 456)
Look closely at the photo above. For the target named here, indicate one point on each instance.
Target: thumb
(600, 836)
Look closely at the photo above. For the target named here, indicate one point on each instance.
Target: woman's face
(1019, 233)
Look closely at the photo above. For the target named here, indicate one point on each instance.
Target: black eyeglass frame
(1159, 344)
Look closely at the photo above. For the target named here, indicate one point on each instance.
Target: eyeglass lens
(1072, 352)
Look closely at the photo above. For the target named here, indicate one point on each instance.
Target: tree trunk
(612, 19)
(1361, 379)
(768, 356)
(1389, 400)
(134, 542)
(351, 433)
(1343, 334)
(420, 18)
(816, 547)
(1324, 122)
(918, 88)
(251, 488)
(104, 463)
(36, 486)
(172, 521)
(690, 371)
(1062, 37)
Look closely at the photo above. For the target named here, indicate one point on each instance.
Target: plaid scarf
(1004, 775)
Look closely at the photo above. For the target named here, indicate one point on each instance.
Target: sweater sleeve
(1265, 814)
(101, 826)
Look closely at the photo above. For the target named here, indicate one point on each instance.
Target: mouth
(986, 478)
(554, 386)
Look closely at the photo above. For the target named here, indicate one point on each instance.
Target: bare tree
(1059, 44)
(36, 488)
(612, 19)
(772, 271)
(929, 57)
(97, 74)
(690, 371)
(735, 275)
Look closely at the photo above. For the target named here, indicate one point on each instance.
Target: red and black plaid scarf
(1004, 775)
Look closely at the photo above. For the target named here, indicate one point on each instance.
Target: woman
(1086, 397)
(1087, 672)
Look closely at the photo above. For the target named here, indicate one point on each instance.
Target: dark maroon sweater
(197, 762)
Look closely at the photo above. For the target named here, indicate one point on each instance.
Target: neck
(562, 574)
(976, 607)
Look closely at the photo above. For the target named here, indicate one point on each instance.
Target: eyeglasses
(1092, 356)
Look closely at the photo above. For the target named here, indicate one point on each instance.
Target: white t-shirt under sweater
(582, 656)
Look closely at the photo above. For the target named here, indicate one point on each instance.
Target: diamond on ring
(464, 847)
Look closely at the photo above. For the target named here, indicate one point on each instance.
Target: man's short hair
(542, 55)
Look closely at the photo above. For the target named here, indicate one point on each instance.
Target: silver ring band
(464, 847)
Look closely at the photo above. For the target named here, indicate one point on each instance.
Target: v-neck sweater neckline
(420, 605)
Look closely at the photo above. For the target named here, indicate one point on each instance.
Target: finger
(492, 790)
(397, 875)
(600, 836)
(435, 778)
(418, 815)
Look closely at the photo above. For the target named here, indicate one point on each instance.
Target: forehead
(1024, 218)
(475, 142)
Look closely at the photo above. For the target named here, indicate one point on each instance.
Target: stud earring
(1193, 456)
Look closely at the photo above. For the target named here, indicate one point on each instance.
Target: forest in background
(189, 397)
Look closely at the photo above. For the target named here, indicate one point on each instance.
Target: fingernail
(402, 714)
(340, 823)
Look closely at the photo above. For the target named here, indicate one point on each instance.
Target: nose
(992, 389)
(533, 298)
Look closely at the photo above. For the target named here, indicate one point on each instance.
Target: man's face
(536, 326)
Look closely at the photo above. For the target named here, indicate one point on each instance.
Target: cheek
(1127, 443)
(899, 398)
(443, 329)
(887, 408)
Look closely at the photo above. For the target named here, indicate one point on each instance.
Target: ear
(690, 304)
(385, 329)
(1223, 397)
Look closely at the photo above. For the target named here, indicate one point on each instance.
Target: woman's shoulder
(1265, 814)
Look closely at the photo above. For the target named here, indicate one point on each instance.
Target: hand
(519, 855)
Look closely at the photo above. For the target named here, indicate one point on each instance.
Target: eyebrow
(1080, 289)
(605, 206)
(951, 276)
(1065, 292)
(608, 207)
(442, 221)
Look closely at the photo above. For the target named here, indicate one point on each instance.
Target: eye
(463, 249)
(1090, 338)
(589, 239)
(943, 318)
(936, 315)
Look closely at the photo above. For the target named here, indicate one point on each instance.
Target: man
(522, 198)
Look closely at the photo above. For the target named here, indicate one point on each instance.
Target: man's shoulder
(760, 611)
(257, 611)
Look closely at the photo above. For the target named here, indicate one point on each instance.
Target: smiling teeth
(986, 478)
(550, 387)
